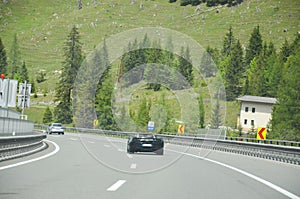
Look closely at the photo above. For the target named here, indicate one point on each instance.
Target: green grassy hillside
(42, 26)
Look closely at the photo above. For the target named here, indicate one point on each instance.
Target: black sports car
(145, 143)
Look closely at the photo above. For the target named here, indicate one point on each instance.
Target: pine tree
(255, 78)
(201, 112)
(254, 47)
(169, 53)
(286, 114)
(185, 66)
(216, 119)
(233, 72)
(143, 114)
(47, 118)
(15, 58)
(285, 51)
(209, 62)
(155, 72)
(103, 103)
(33, 86)
(134, 57)
(104, 91)
(73, 59)
(23, 73)
(3, 59)
(228, 42)
(273, 71)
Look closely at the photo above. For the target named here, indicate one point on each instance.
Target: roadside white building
(255, 111)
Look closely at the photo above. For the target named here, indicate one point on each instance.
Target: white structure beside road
(255, 111)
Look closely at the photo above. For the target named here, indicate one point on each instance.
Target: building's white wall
(261, 117)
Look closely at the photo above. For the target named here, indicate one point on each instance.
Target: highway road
(91, 166)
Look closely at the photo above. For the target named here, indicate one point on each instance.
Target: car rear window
(59, 125)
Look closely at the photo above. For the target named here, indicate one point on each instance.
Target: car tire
(129, 150)
(160, 151)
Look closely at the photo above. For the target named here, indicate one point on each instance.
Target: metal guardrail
(279, 150)
(273, 142)
(17, 146)
(4, 112)
(12, 126)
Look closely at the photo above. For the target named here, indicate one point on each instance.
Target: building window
(246, 109)
(245, 121)
(252, 122)
(253, 110)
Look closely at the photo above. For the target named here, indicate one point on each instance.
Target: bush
(184, 2)
(41, 77)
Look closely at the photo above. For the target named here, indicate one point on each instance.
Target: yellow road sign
(261, 133)
(96, 122)
(181, 129)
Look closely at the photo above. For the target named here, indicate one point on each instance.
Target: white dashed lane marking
(133, 166)
(116, 186)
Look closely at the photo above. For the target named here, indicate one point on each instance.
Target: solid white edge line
(116, 186)
(35, 159)
(265, 182)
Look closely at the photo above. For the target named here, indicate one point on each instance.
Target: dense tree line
(139, 54)
(209, 3)
(257, 70)
(286, 115)
(262, 71)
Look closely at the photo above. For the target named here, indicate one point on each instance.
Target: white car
(55, 128)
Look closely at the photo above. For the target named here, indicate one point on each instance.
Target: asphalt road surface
(90, 166)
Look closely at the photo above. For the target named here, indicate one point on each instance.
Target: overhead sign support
(8, 92)
(24, 97)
